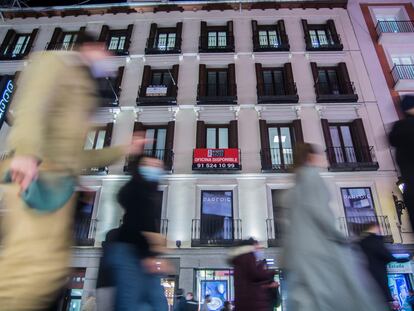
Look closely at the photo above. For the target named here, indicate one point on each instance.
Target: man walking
(53, 104)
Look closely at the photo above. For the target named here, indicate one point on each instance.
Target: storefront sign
(399, 267)
(156, 90)
(6, 84)
(216, 159)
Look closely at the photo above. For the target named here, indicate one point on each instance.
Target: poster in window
(218, 203)
(217, 289)
(358, 202)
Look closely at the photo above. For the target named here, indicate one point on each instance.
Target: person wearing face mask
(52, 108)
(132, 258)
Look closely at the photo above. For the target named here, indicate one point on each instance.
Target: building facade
(226, 90)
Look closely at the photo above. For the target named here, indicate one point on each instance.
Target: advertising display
(216, 159)
(217, 203)
(358, 202)
(156, 90)
(217, 289)
(399, 285)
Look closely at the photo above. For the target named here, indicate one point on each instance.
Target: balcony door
(342, 143)
(156, 145)
(281, 146)
(328, 81)
(217, 82)
(216, 217)
(166, 40)
(69, 40)
(117, 41)
(217, 39)
(217, 137)
(273, 82)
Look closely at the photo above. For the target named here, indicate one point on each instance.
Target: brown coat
(249, 277)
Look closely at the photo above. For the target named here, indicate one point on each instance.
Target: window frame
(329, 82)
(71, 43)
(217, 30)
(345, 154)
(217, 83)
(292, 139)
(97, 129)
(217, 127)
(267, 29)
(154, 143)
(163, 72)
(165, 31)
(274, 84)
(117, 33)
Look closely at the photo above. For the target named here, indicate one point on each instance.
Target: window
(155, 147)
(217, 137)
(218, 283)
(216, 216)
(268, 38)
(95, 139)
(161, 77)
(84, 224)
(166, 41)
(16, 45)
(217, 82)
(281, 145)
(328, 81)
(342, 143)
(217, 39)
(320, 38)
(20, 45)
(117, 42)
(273, 81)
(69, 40)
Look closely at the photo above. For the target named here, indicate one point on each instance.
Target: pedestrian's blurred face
(189, 296)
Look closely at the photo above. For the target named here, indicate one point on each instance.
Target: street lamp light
(401, 185)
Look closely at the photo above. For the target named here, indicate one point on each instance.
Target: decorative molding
(278, 112)
(156, 114)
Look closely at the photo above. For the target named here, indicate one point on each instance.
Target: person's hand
(23, 170)
(137, 144)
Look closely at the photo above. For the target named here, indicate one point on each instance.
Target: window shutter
(203, 37)
(152, 35)
(57, 34)
(230, 36)
(288, 79)
(328, 141)
(362, 148)
(128, 37)
(255, 32)
(306, 33)
(138, 127)
(31, 40)
(146, 80)
(202, 80)
(231, 78)
(264, 141)
(174, 85)
(259, 79)
(108, 135)
(81, 32)
(297, 130)
(178, 35)
(10, 35)
(201, 135)
(315, 74)
(169, 145)
(344, 80)
(233, 134)
(103, 37)
(282, 32)
(332, 29)
(118, 81)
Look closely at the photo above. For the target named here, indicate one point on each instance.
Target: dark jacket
(137, 197)
(191, 305)
(104, 272)
(249, 293)
(402, 138)
(378, 257)
(180, 304)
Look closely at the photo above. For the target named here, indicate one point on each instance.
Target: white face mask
(102, 69)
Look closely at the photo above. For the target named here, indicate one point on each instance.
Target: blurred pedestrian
(180, 301)
(204, 306)
(52, 107)
(105, 285)
(249, 278)
(90, 303)
(321, 274)
(378, 256)
(191, 303)
(227, 306)
(135, 267)
(402, 138)
(410, 299)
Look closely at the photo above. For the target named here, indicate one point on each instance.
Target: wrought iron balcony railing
(220, 44)
(165, 155)
(402, 72)
(328, 92)
(276, 93)
(220, 231)
(354, 226)
(361, 158)
(163, 48)
(217, 93)
(394, 27)
(64, 46)
(332, 43)
(281, 44)
(277, 159)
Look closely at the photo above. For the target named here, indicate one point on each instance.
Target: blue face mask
(151, 173)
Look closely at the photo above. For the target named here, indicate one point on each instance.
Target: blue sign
(8, 87)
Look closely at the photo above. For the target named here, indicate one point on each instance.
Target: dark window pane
(156, 78)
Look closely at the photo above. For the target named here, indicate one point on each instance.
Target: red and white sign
(216, 158)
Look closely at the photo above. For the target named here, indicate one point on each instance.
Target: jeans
(136, 290)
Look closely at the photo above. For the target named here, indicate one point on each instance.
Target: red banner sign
(216, 158)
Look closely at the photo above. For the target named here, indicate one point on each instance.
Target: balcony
(354, 226)
(329, 44)
(119, 52)
(157, 95)
(163, 48)
(84, 230)
(95, 171)
(277, 160)
(222, 45)
(344, 159)
(165, 155)
(274, 233)
(344, 93)
(281, 45)
(272, 94)
(12, 56)
(395, 32)
(216, 232)
(403, 77)
(62, 46)
(217, 94)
